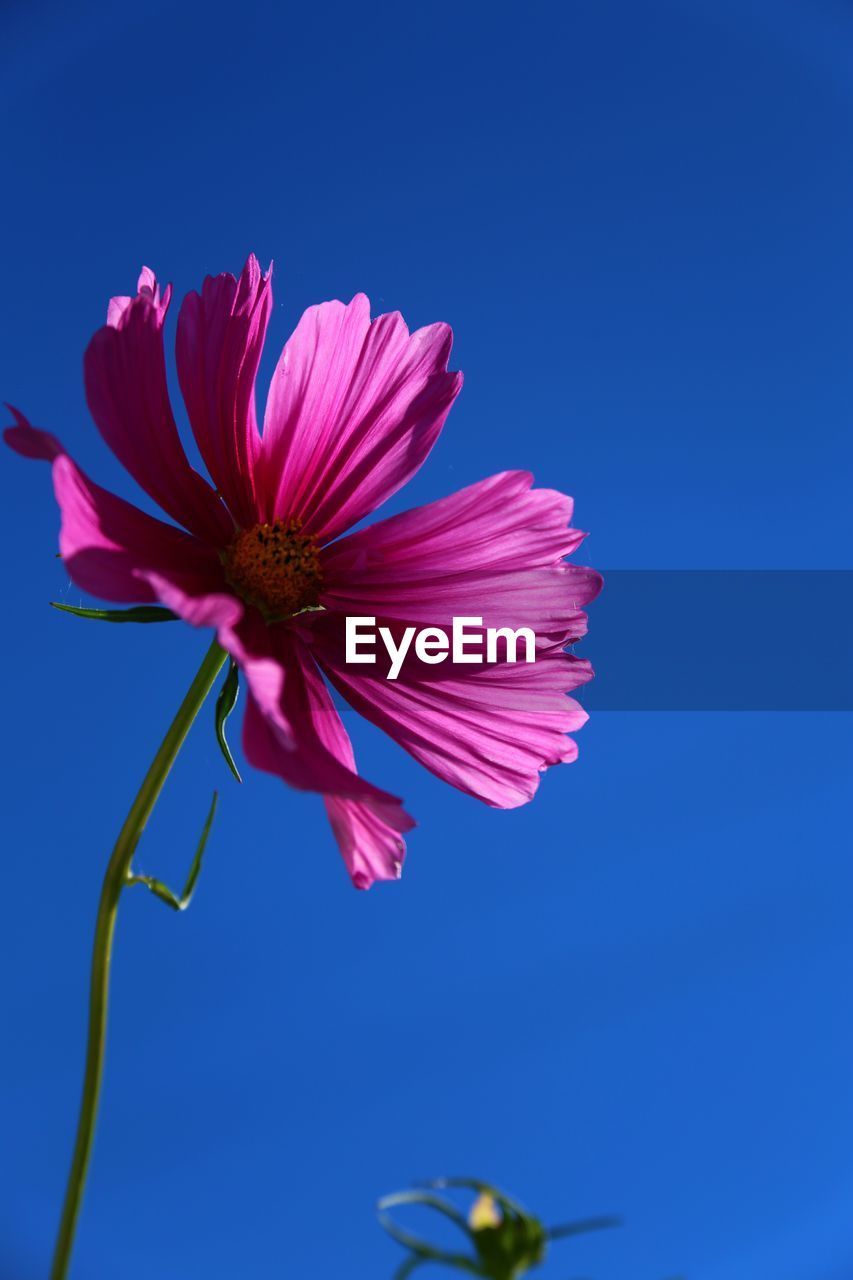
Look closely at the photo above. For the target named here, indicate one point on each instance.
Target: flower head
(264, 557)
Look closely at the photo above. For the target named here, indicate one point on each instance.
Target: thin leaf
(407, 1266)
(431, 1201)
(426, 1251)
(225, 704)
(581, 1227)
(161, 890)
(140, 613)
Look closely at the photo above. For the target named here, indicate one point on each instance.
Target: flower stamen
(275, 567)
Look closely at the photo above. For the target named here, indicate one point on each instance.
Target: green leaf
(225, 704)
(161, 890)
(431, 1201)
(581, 1227)
(140, 613)
(423, 1251)
(408, 1265)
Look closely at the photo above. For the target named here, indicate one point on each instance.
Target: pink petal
(501, 522)
(200, 606)
(125, 375)
(493, 550)
(367, 822)
(354, 408)
(371, 846)
(147, 285)
(251, 643)
(489, 730)
(547, 600)
(220, 338)
(31, 442)
(111, 548)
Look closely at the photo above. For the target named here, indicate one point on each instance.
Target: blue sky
(631, 995)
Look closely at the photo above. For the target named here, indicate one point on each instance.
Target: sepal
(225, 704)
(139, 613)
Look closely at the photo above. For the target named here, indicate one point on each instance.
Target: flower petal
(125, 375)
(367, 822)
(111, 548)
(354, 408)
(199, 605)
(489, 730)
(220, 337)
(493, 550)
(371, 846)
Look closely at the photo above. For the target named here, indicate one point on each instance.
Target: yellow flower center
(275, 567)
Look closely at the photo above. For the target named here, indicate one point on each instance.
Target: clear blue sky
(631, 995)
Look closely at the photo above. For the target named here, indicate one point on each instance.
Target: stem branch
(115, 879)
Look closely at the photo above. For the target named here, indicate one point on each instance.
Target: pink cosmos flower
(263, 555)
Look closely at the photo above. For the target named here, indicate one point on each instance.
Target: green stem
(118, 870)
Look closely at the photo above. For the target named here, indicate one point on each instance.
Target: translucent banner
(721, 640)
